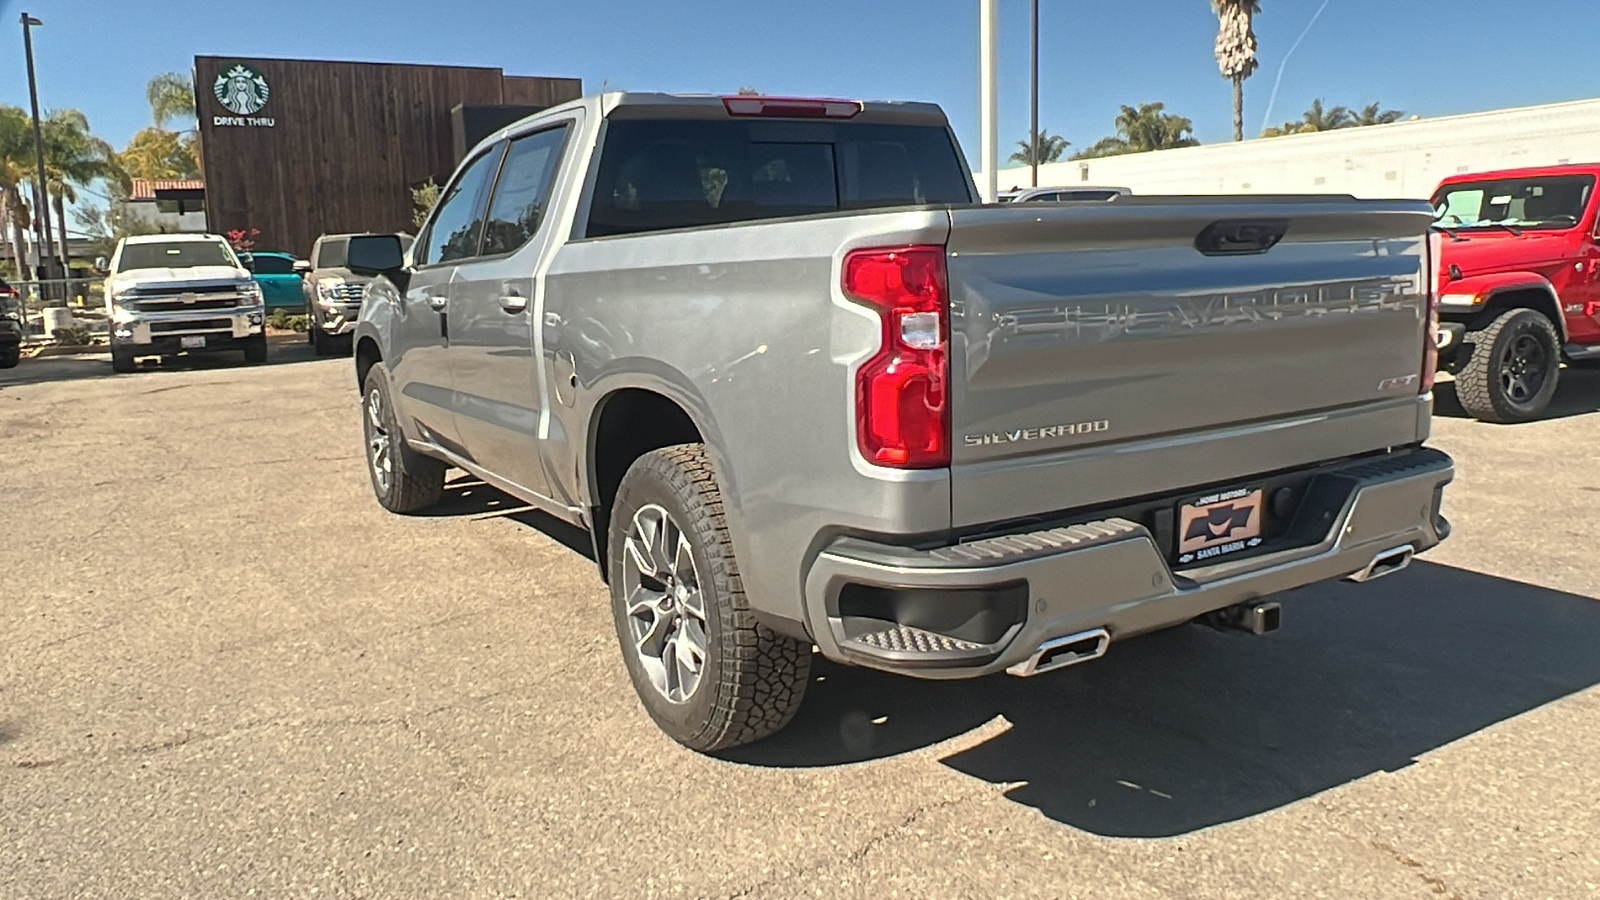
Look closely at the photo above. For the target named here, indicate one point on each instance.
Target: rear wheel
(122, 360)
(708, 673)
(404, 480)
(1512, 373)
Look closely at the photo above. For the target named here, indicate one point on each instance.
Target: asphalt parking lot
(226, 672)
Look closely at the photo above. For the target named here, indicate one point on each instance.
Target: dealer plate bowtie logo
(243, 91)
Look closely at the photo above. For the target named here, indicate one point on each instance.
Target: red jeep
(1519, 285)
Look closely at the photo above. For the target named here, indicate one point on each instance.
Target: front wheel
(404, 480)
(255, 349)
(10, 356)
(708, 673)
(1512, 373)
(122, 360)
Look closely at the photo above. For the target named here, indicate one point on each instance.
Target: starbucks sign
(243, 91)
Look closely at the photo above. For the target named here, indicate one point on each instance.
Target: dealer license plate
(191, 342)
(1219, 525)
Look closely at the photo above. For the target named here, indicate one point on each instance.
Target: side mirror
(375, 254)
(247, 260)
(302, 267)
(102, 265)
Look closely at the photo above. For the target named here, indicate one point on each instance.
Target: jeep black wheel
(1512, 373)
(708, 673)
(404, 480)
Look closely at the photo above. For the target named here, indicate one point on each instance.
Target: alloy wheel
(1523, 367)
(665, 606)
(380, 448)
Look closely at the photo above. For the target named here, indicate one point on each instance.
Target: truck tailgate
(1098, 354)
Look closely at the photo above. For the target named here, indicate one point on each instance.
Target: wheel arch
(1515, 291)
(367, 354)
(626, 422)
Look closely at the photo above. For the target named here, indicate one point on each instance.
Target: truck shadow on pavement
(1190, 727)
(98, 365)
(1577, 394)
(467, 496)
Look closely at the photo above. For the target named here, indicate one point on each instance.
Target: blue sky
(1431, 57)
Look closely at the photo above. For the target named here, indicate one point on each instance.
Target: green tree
(159, 153)
(1330, 118)
(1236, 50)
(1047, 148)
(423, 198)
(1143, 128)
(16, 161)
(1317, 117)
(171, 96)
(73, 157)
(1375, 114)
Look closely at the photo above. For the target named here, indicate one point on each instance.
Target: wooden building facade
(293, 149)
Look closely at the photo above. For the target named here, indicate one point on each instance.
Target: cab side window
(457, 224)
(522, 193)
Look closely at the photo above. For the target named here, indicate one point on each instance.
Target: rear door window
(523, 191)
(657, 174)
(331, 255)
(274, 265)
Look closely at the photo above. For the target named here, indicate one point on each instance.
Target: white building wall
(1402, 160)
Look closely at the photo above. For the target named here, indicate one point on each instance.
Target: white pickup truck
(182, 293)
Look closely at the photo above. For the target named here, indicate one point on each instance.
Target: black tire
(411, 482)
(255, 349)
(333, 344)
(1513, 370)
(122, 361)
(311, 328)
(751, 679)
(9, 357)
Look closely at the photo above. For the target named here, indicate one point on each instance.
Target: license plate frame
(192, 341)
(1219, 525)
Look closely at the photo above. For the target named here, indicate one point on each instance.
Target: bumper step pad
(905, 639)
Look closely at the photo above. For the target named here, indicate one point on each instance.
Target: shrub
(74, 336)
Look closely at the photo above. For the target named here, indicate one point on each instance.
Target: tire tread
(1476, 386)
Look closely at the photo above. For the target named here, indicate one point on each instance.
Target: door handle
(438, 302)
(511, 298)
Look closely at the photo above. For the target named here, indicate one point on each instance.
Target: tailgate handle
(1238, 237)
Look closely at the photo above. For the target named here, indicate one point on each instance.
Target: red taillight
(1430, 336)
(791, 107)
(902, 392)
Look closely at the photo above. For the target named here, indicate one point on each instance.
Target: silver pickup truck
(802, 390)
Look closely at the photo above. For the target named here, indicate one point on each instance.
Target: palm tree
(1047, 148)
(1375, 114)
(72, 156)
(16, 159)
(1236, 50)
(158, 153)
(171, 96)
(1143, 128)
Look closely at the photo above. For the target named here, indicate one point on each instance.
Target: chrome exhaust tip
(1386, 563)
(1061, 652)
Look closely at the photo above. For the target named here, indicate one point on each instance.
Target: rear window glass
(659, 174)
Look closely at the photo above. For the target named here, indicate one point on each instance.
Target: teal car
(280, 283)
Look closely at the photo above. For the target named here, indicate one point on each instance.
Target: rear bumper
(980, 608)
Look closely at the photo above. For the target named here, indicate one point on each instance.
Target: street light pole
(1033, 96)
(989, 96)
(41, 190)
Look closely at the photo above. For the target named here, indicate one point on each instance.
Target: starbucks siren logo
(242, 90)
